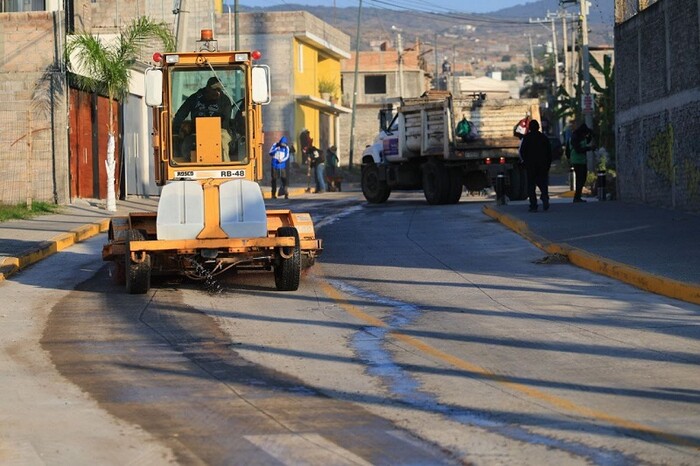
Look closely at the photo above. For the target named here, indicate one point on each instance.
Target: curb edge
(594, 263)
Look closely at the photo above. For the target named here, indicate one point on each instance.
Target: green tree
(105, 67)
(605, 104)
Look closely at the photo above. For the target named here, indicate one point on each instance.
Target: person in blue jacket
(279, 154)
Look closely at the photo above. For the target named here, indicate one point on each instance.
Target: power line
(446, 14)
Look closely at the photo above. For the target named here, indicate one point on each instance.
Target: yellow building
(304, 55)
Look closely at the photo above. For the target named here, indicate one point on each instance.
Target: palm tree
(106, 68)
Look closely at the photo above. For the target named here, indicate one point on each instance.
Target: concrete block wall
(366, 129)
(658, 105)
(33, 112)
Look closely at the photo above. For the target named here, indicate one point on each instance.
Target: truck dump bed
(431, 121)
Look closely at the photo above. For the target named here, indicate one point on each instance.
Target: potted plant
(327, 88)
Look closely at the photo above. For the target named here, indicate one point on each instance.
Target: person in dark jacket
(209, 101)
(536, 154)
(580, 144)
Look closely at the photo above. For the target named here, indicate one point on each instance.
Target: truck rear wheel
(138, 274)
(436, 183)
(456, 184)
(376, 191)
(288, 262)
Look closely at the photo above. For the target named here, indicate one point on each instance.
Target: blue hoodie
(280, 154)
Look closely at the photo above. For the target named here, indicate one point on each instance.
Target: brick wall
(658, 105)
(33, 112)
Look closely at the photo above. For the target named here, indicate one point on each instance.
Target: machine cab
(207, 120)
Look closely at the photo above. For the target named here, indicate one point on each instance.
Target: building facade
(379, 82)
(304, 54)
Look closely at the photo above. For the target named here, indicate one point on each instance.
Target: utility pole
(567, 76)
(550, 19)
(532, 54)
(556, 57)
(181, 24)
(437, 80)
(587, 104)
(236, 44)
(454, 69)
(354, 88)
(399, 47)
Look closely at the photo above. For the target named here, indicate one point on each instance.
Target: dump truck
(211, 216)
(418, 148)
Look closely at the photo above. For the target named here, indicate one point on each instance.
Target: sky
(468, 6)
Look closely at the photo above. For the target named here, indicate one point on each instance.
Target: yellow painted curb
(625, 273)
(8, 266)
(12, 265)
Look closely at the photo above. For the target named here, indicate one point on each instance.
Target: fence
(625, 9)
(26, 156)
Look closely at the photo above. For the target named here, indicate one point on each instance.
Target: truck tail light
(502, 160)
(488, 160)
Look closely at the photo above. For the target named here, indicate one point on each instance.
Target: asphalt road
(424, 335)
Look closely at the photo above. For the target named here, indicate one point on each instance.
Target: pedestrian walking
(536, 154)
(316, 160)
(279, 154)
(580, 143)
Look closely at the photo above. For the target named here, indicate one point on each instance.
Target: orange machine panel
(208, 130)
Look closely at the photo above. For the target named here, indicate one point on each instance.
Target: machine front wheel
(287, 266)
(138, 274)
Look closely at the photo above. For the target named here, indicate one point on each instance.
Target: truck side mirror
(154, 87)
(385, 118)
(261, 84)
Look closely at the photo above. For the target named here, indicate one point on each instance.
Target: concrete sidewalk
(651, 248)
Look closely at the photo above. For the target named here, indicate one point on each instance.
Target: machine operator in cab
(209, 101)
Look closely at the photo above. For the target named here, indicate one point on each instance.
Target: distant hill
(478, 39)
(601, 12)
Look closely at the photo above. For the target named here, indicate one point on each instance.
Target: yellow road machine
(208, 150)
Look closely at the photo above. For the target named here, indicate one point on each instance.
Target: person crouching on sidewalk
(280, 158)
(536, 154)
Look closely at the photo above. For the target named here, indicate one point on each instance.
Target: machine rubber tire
(375, 190)
(436, 183)
(456, 185)
(137, 275)
(517, 190)
(288, 271)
